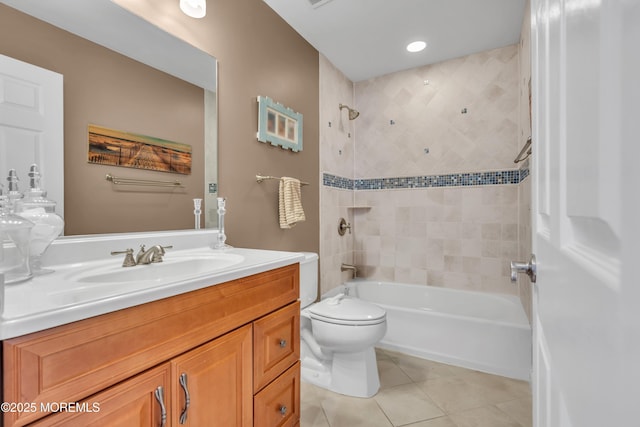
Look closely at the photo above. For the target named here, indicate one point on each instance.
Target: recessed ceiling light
(416, 46)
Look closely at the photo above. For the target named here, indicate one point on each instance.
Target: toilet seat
(344, 310)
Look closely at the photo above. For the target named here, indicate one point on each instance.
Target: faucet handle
(128, 258)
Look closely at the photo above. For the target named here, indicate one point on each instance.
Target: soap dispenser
(14, 244)
(47, 223)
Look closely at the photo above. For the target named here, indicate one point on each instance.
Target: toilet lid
(346, 309)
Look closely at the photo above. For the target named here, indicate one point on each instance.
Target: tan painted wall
(258, 54)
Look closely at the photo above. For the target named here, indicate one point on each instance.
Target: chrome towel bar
(146, 182)
(261, 178)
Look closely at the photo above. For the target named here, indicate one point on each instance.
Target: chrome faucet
(345, 267)
(153, 254)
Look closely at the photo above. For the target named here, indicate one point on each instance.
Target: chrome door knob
(529, 269)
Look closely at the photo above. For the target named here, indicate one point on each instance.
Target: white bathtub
(476, 330)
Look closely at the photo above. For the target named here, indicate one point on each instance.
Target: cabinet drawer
(131, 403)
(74, 361)
(278, 404)
(276, 343)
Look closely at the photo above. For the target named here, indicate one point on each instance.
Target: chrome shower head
(353, 114)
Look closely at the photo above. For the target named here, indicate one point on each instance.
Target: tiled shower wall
(457, 120)
(456, 116)
(456, 237)
(449, 118)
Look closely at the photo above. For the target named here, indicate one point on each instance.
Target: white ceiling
(367, 38)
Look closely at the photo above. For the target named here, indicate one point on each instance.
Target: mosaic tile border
(514, 176)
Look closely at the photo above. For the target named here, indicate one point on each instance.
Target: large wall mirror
(180, 105)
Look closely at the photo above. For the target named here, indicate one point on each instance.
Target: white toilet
(337, 337)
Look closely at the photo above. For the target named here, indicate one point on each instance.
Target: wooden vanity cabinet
(214, 336)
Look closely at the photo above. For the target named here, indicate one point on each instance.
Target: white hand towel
(290, 202)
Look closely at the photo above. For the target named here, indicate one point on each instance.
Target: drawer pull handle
(163, 410)
(187, 398)
(283, 410)
(283, 343)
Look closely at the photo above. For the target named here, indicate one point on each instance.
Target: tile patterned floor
(420, 393)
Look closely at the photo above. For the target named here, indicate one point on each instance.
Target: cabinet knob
(283, 410)
(283, 343)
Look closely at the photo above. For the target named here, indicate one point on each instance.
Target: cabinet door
(212, 384)
(132, 403)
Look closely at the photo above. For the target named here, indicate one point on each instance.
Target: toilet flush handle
(335, 300)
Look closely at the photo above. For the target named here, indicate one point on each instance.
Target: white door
(31, 126)
(586, 212)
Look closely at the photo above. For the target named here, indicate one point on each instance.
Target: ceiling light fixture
(194, 8)
(416, 46)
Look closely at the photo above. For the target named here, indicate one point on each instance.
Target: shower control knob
(529, 269)
(343, 226)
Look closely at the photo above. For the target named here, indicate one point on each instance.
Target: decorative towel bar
(526, 149)
(261, 178)
(146, 182)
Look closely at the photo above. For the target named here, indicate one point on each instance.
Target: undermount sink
(172, 268)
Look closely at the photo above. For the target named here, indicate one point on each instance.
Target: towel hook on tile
(261, 178)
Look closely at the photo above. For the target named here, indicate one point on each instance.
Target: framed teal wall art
(279, 125)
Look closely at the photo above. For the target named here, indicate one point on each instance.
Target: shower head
(353, 114)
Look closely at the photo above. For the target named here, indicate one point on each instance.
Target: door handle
(529, 269)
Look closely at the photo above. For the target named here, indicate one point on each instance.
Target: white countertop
(47, 301)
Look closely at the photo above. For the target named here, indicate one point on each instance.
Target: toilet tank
(308, 279)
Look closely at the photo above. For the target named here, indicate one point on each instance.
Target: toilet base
(351, 374)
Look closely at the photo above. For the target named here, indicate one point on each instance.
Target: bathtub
(475, 330)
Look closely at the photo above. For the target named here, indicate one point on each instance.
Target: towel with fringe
(290, 202)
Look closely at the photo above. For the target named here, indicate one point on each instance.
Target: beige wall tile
(460, 237)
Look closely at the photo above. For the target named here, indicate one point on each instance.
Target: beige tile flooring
(420, 393)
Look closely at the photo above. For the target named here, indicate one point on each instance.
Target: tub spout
(345, 267)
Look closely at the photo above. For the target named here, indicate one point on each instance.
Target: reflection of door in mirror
(31, 125)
